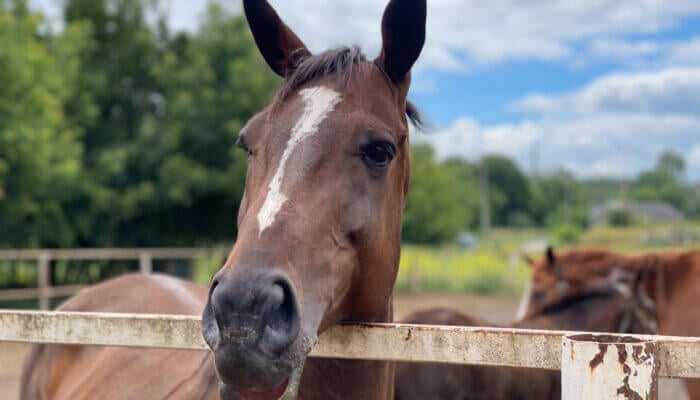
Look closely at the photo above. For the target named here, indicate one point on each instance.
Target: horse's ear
(403, 36)
(280, 47)
(551, 258)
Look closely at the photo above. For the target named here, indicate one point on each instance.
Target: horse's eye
(241, 144)
(378, 154)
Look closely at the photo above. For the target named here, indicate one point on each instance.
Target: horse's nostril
(256, 309)
(282, 318)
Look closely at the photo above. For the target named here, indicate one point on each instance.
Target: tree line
(117, 131)
(445, 195)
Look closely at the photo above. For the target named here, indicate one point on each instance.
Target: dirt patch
(494, 309)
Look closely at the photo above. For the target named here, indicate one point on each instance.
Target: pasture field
(493, 268)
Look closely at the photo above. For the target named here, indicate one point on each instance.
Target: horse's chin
(287, 390)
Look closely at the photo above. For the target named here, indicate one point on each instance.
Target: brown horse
(319, 233)
(606, 307)
(672, 280)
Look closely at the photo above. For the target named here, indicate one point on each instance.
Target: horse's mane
(603, 260)
(338, 63)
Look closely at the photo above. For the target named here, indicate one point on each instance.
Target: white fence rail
(43, 257)
(678, 356)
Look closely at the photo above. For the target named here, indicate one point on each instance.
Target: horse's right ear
(280, 47)
(403, 37)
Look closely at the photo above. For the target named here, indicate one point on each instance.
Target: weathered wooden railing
(43, 257)
(579, 356)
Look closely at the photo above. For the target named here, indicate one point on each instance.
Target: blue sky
(597, 87)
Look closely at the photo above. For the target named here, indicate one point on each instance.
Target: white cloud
(488, 32)
(684, 53)
(588, 145)
(614, 126)
(463, 33)
(693, 157)
(617, 48)
(669, 91)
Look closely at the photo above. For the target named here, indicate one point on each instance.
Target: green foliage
(664, 182)
(439, 203)
(40, 147)
(509, 191)
(566, 234)
(112, 134)
(621, 218)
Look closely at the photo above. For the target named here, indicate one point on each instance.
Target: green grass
(451, 270)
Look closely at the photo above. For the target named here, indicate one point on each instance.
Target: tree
(664, 182)
(509, 191)
(161, 168)
(39, 145)
(436, 210)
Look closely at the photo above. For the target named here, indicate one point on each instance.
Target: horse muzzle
(252, 324)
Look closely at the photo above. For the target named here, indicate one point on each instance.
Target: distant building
(643, 211)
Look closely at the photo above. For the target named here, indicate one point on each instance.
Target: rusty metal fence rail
(593, 366)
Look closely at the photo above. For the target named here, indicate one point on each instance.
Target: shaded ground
(492, 308)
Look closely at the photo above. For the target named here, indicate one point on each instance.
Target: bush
(620, 218)
(566, 234)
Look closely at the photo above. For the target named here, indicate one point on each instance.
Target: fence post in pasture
(595, 367)
(43, 280)
(145, 263)
(414, 272)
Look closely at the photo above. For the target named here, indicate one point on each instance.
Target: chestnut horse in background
(319, 237)
(610, 306)
(671, 280)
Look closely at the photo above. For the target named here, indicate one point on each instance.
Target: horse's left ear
(551, 258)
(403, 36)
(278, 44)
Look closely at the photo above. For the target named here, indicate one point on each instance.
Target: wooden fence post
(414, 275)
(43, 277)
(145, 263)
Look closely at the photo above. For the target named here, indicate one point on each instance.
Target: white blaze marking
(176, 287)
(318, 103)
(524, 301)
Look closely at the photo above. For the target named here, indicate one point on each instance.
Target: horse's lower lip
(274, 394)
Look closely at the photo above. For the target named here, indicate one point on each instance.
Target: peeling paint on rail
(679, 356)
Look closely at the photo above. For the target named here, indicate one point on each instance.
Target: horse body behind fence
(61, 372)
(607, 308)
(670, 279)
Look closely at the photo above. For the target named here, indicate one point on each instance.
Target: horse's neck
(202, 384)
(670, 278)
(349, 379)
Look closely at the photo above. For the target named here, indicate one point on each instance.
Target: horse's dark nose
(256, 310)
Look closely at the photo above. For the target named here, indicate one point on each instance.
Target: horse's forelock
(339, 64)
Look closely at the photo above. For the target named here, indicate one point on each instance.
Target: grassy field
(495, 267)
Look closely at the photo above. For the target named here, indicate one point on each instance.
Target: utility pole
(485, 206)
(535, 158)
